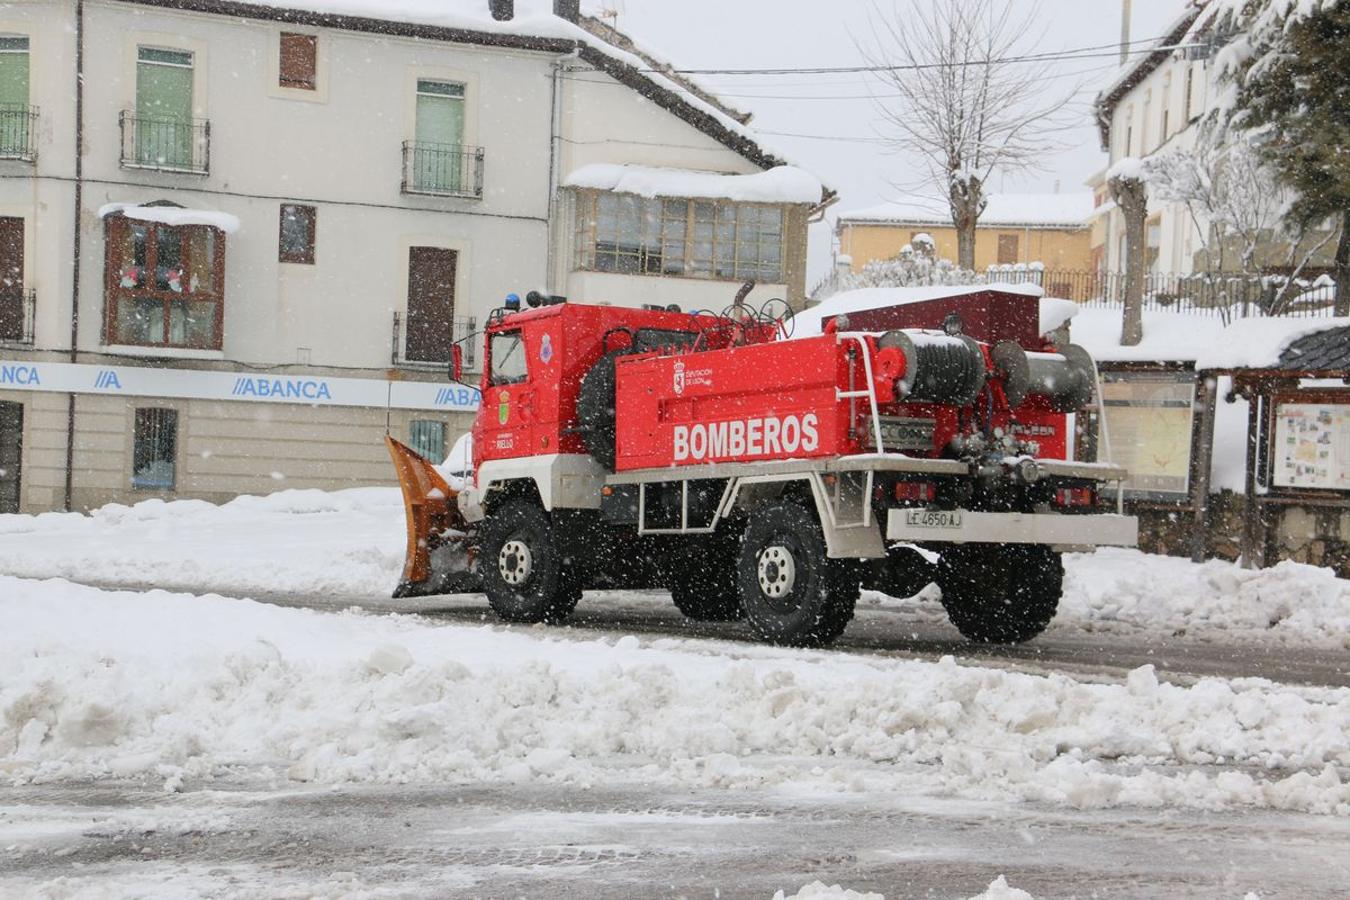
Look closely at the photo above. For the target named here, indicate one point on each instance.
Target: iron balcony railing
(165, 144)
(17, 310)
(423, 352)
(442, 170)
(18, 132)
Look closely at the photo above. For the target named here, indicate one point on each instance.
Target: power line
(1053, 56)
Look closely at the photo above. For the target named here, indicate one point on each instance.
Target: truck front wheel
(793, 593)
(524, 574)
(702, 581)
(1000, 593)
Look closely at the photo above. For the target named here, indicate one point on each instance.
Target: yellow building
(1051, 229)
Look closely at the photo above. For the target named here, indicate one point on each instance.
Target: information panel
(1312, 446)
(1149, 419)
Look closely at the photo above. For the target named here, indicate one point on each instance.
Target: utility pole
(1124, 31)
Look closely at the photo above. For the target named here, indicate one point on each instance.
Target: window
(164, 127)
(508, 359)
(1007, 249)
(296, 238)
(164, 284)
(439, 155)
(154, 453)
(299, 61)
(1186, 99)
(691, 238)
(15, 114)
(427, 438)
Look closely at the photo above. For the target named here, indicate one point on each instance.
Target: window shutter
(299, 59)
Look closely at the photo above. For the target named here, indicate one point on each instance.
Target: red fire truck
(767, 478)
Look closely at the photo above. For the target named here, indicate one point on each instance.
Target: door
(11, 452)
(431, 304)
(11, 279)
(164, 108)
(439, 151)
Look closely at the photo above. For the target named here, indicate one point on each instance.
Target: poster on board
(1149, 418)
(1312, 446)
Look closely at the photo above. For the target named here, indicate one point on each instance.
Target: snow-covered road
(186, 706)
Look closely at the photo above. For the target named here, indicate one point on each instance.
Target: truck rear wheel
(793, 593)
(1000, 593)
(525, 576)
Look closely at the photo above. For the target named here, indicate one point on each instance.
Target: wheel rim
(777, 572)
(515, 562)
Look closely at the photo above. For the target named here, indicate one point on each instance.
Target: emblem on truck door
(679, 377)
(503, 407)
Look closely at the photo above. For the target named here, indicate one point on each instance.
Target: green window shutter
(14, 96)
(438, 162)
(164, 107)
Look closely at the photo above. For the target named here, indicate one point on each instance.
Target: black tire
(521, 562)
(702, 582)
(1000, 593)
(595, 409)
(805, 598)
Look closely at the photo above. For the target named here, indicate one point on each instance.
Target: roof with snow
(533, 26)
(781, 184)
(1295, 346)
(1135, 71)
(1004, 210)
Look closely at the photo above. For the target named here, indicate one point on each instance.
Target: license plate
(933, 518)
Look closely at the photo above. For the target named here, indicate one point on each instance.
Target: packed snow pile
(999, 889)
(780, 184)
(819, 890)
(350, 542)
(180, 687)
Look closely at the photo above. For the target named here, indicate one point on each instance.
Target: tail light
(915, 491)
(1079, 496)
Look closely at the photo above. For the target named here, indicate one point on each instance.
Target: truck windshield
(508, 358)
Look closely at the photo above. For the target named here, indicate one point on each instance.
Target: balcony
(18, 132)
(429, 348)
(17, 309)
(442, 170)
(165, 144)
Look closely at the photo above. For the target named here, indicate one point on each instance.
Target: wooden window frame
(722, 251)
(115, 294)
(311, 215)
(308, 61)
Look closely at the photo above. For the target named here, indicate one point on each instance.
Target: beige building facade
(265, 231)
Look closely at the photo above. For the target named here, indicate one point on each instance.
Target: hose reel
(939, 368)
(1064, 378)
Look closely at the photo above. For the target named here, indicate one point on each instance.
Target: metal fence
(444, 170)
(18, 132)
(463, 331)
(165, 144)
(17, 310)
(1225, 295)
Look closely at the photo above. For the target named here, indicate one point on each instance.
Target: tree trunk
(1132, 198)
(1341, 268)
(967, 201)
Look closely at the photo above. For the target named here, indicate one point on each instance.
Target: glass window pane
(169, 274)
(427, 439)
(140, 320)
(154, 449)
(508, 359)
(201, 261)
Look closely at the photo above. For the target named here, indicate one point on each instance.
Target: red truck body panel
(988, 315)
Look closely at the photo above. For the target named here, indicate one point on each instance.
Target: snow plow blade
(439, 555)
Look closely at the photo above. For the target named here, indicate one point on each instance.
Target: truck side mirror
(456, 362)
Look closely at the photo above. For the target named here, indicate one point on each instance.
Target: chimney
(567, 9)
(502, 10)
(1124, 31)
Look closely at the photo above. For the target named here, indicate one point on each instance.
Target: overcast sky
(836, 110)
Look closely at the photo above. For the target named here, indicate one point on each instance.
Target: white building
(1156, 103)
(288, 211)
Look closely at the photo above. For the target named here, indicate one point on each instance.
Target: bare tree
(1130, 192)
(963, 103)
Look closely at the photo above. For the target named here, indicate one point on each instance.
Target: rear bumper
(1013, 528)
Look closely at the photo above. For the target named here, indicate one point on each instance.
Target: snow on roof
(172, 215)
(1030, 210)
(781, 184)
(1168, 336)
(809, 320)
(1259, 343)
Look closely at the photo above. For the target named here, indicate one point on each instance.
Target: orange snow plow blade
(438, 555)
